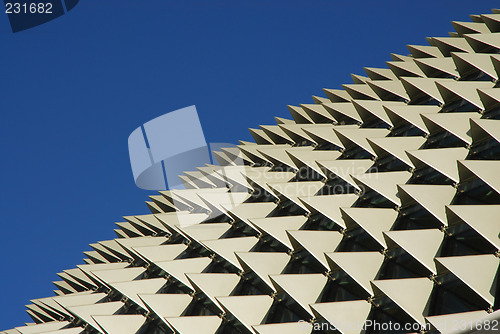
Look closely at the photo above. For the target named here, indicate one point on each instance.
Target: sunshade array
(380, 202)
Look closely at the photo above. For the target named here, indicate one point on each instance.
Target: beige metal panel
(492, 21)
(203, 232)
(260, 136)
(72, 282)
(389, 90)
(172, 219)
(106, 253)
(437, 67)
(456, 123)
(410, 294)
(368, 109)
(153, 207)
(481, 218)
(129, 243)
(210, 171)
(316, 243)
(230, 199)
(50, 303)
(449, 323)
(451, 44)
(214, 285)
(293, 190)
(88, 268)
(42, 328)
(470, 27)
(347, 317)
(305, 289)
(65, 287)
(337, 95)
(383, 183)
(174, 202)
(280, 157)
(484, 42)
(284, 328)
(281, 120)
(178, 268)
(468, 63)
(192, 198)
(424, 51)
(39, 313)
(410, 114)
(129, 229)
(296, 132)
(484, 128)
(276, 227)
(118, 275)
(235, 154)
(12, 331)
(318, 113)
(405, 68)
(329, 205)
(251, 154)
(358, 137)
(342, 111)
(139, 225)
(276, 134)
(75, 330)
(234, 175)
(401, 58)
(222, 158)
(308, 159)
(120, 324)
(489, 97)
(245, 211)
(80, 277)
(487, 171)
(166, 305)
(226, 248)
(324, 134)
(86, 312)
(263, 264)
(199, 179)
(362, 92)
(195, 324)
(359, 79)
(299, 115)
(422, 245)
(466, 269)
(260, 180)
(420, 87)
(114, 247)
(164, 204)
(380, 73)
(396, 147)
(133, 288)
(362, 267)
(444, 160)
(249, 310)
(466, 90)
(187, 182)
(319, 99)
(432, 198)
(373, 220)
(345, 168)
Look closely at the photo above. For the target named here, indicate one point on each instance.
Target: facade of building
(375, 209)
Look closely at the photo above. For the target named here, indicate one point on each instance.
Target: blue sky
(72, 90)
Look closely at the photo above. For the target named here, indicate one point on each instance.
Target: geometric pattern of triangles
(380, 202)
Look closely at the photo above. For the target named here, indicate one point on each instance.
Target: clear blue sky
(72, 91)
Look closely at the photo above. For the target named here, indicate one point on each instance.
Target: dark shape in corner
(26, 14)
